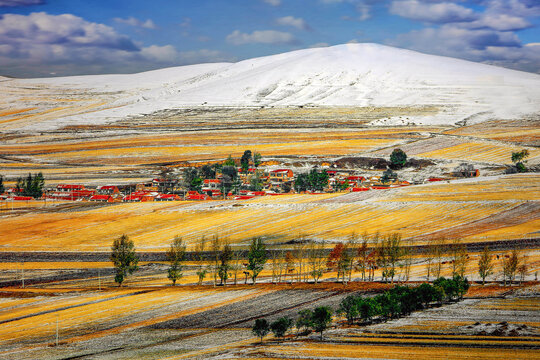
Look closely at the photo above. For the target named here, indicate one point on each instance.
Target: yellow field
(329, 217)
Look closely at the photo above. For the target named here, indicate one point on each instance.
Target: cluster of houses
(274, 182)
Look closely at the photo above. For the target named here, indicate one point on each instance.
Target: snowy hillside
(343, 75)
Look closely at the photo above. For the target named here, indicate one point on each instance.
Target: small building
(281, 175)
(139, 197)
(107, 190)
(102, 198)
(167, 197)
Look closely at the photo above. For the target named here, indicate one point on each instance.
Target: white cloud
(445, 12)
(501, 22)
(298, 23)
(261, 36)
(148, 24)
(273, 2)
(64, 30)
(11, 3)
(40, 44)
(320, 44)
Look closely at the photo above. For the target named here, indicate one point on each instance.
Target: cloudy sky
(70, 37)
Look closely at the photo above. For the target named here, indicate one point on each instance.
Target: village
(232, 179)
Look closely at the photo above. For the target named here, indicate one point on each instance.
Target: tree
(322, 317)
(368, 308)
(485, 266)
(304, 320)
(280, 326)
(349, 307)
(362, 254)
(225, 257)
(426, 294)
(176, 254)
(316, 260)
(32, 185)
(229, 162)
(2, 189)
(518, 159)
(244, 161)
(522, 269)
(290, 262)
(230, 174)
(261, 328)
(398, 159)
(255, 182)
(510, 265)
(200, 260)
(191, 180)
(388, 176)
(394, 252)
(460, 258)
(301, 184)
(215, 247)
(208, 172)
(338, 260)
(256, 257)
(257, 159)
(124, 258)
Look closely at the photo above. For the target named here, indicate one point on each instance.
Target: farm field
(482, 209)
(205, 322)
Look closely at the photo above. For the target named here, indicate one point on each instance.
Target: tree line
(307, 261)
(394, 303)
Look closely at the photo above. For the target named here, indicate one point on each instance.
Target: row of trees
(317, 319)
(32, 185)
(308, 261)
(223, 262)
(396, 302)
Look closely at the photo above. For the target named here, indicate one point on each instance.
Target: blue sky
(70, 37)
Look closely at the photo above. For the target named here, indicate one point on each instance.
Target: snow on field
(345, 75)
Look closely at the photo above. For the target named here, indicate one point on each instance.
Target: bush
(304, 320)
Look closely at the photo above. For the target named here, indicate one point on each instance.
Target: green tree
(32, 185)
(261, 328)
(398, 159)
(229, 162)
(208, 172)
(201, 270)
(2, 189)
(322, 317)
(256, 183)
(124, 258)
(225, 257)
(280, 326)
(244, 161)
(191, 179)
(349, 307)
(256, 257)
(388, 176)
(368, 308)
(176, 255)
(301, 183)
(304, 320)
(485, 265)
(229, 179)
(257, 159)
(518, 159)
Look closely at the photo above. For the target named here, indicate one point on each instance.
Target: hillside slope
(356, 75)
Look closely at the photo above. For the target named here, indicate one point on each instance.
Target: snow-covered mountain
(343, 75)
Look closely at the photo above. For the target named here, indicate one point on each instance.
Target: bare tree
(522, 269)
(316, 260)
(289, 265)
(352, 249)
(407, 260)
(215, 246)
(200, 260)
(485, 265)
(460, 258)
(362, 255)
